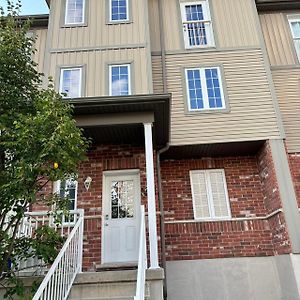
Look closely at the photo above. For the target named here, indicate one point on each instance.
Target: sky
(30, 7)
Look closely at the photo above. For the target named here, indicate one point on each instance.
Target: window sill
(207, 47)
(208, 111)
(119, 22)
(74, 25)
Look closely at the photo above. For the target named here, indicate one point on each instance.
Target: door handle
(105, 224)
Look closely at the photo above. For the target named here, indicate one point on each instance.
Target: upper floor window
(74, 12)
(119, 80)
(118, 10)
(70, 82)
(204, 89)
(295, 28)
(209, 193)
(196, 23)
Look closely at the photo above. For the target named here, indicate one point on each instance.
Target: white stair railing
(60, 277)
(142, 264)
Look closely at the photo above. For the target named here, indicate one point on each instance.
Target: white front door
(121, 216)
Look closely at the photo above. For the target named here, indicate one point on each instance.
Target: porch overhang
(120, 119)
(243, 148)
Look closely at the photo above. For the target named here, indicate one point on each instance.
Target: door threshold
(116, 266)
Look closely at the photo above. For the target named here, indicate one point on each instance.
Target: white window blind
(209, 192)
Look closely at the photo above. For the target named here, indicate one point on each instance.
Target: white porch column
(151, 197)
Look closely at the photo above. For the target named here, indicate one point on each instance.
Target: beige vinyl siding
(98, 33)
(251, 116)
(287, 86)
(233, 23)
(40, 46)
(96, 68)
(154, 25)
(278, 39)
(157, 75)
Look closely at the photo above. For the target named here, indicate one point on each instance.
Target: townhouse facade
(193, 111)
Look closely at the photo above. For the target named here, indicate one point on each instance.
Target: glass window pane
(296, 29)
(122, 195)
(118, 10)
(74, 11)
(71, 84)
(195, 89)
(119, 80)
(213, 88)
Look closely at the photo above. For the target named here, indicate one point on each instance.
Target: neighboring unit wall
(97, 30)
(40, 45)
(286, 77)
(99, 42)
(287, 86)
(96, 73)
(285, 71)
(278, 39)
(278, 227)
(294, 159)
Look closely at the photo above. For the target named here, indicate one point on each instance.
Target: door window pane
(122, 199)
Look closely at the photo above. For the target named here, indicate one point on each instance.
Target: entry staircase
(65, 280)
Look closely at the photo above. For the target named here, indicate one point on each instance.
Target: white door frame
(110, 173)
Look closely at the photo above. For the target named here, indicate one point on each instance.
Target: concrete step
(108, 285)
(111, 298)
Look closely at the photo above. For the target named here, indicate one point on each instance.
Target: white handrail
(142, 265)
(60, 277)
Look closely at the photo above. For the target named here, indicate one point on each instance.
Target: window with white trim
(118, 10)
(204, 89)
(74, 13)
(70, 82)
(119, 80)
(196, 24)
(210, 196)
(68, 189)
(294, 22)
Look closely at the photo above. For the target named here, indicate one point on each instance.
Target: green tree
(39, 143)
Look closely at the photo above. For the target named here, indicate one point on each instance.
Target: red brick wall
(294, 160)
(102, 158)
(243, 182)
(218, 239)
(250, 195)
(215, 239)
(272, 200)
